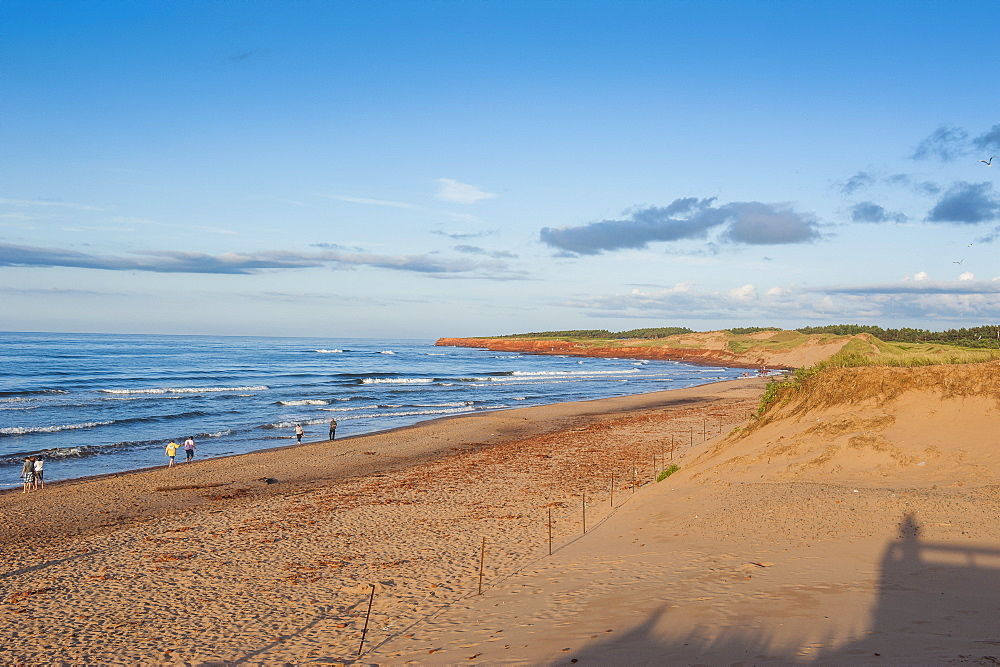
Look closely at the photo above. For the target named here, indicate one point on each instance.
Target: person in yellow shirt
(171, 451)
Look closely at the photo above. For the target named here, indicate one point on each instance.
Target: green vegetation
(987, 336)
(870, 351)
(739, 331)
(670, 470)
(564, 335)
(860, 353)
(604, 334)
(984, 336)
(659, 332)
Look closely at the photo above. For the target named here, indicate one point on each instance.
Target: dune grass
(667, 472)
(867, 368)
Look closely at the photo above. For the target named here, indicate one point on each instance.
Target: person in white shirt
(39, 464)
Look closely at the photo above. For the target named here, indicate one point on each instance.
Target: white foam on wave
(526, 383)
(22, 430)
(64, 452)
(551, 377)
(183, 390)
(386, 352)
(623, 371)
(452, 404)
(415, 413)
(397, 381)
(304, 402)
(143, 398)
(292, 424)
(330, 351)
(351, 409)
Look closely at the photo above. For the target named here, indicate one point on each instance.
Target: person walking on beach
(171, 450)
(333, 428)
(189, 449)
(299, 433)
(28, 474)
(39, 483)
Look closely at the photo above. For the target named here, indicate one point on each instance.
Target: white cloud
(451, 190)
(745, 293)
(968, 275)
(460, 217)
(39, 202)
(913, 299)
(373, 202)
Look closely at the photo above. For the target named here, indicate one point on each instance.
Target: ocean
(91, 404)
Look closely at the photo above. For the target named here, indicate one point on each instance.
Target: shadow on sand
(936, 603)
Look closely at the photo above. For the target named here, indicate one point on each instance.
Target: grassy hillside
(868, 351)
(986, 336)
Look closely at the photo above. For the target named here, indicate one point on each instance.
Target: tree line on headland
(982, 336)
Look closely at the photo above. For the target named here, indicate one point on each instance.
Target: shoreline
(16, 486)
(313, 463)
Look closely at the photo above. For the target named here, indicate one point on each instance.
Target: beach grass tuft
(670, 470)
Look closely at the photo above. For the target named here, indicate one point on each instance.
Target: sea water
(97, 403)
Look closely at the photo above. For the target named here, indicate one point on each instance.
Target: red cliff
(776, 350)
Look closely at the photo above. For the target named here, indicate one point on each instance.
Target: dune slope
(872, 426)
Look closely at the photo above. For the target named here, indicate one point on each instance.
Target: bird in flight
(988, 163)
(958, 262)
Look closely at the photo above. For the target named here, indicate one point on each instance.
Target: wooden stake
(584, 512)
(612, 489)
(367, 616)
(550, 531)
(482, 561)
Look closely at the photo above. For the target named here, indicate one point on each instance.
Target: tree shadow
(936, 603)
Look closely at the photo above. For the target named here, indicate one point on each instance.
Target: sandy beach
(859, 530)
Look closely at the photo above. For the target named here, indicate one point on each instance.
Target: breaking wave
(182, 390)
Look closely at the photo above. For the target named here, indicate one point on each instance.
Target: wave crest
(182, 390)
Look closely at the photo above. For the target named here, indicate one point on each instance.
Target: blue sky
(423, 169)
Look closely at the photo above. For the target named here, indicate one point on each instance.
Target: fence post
(550, 531)
(367, 616)
(482, 561)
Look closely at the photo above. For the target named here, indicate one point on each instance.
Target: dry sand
(860, 530)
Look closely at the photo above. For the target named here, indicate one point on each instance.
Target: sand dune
(854, 524)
